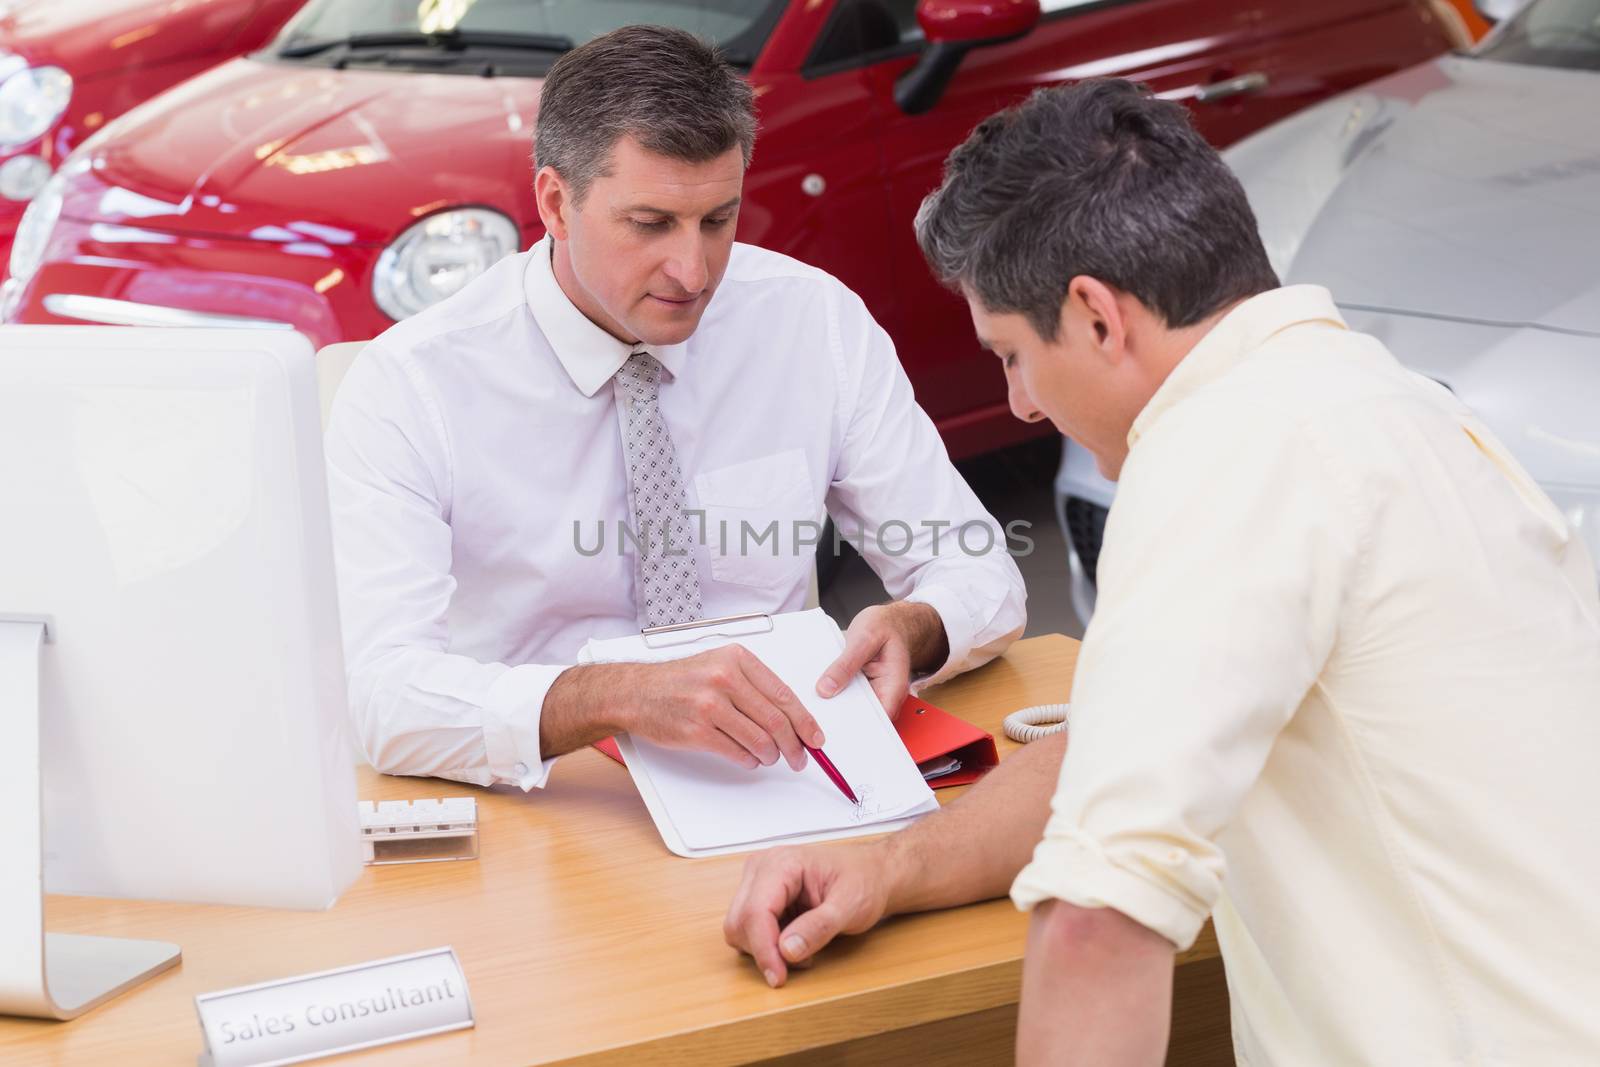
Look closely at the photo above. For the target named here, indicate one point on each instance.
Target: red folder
(928, 733)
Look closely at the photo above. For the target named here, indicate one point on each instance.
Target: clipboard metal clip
(685, 633)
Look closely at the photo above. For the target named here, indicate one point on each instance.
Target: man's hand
(728, 702)
(970, 850)
(725, 701)
(818, 892)
(886, 642)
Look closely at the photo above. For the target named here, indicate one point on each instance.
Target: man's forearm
(1096, 990)
(973, 849)
(580, 707)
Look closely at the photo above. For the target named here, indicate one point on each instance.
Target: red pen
(832, 772)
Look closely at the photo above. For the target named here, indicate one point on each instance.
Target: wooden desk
(585, 941)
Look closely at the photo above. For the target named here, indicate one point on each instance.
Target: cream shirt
(1342, 693)
(477, 483)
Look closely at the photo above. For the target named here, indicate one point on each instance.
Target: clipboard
(928, 733)
(623, 749)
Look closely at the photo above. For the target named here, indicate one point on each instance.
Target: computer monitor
(171, 678)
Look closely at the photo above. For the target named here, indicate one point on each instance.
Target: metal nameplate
(312, 1015)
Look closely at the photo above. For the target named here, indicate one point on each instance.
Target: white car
(1454, 212)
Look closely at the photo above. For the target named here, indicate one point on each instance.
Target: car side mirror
(1498, 10)
(953, 28)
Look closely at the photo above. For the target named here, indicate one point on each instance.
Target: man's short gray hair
(664, 87)
(1098, 179)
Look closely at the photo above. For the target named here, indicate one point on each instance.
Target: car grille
(1086, 525)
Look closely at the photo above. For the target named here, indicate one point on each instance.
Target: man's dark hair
(1097, 179)
(664, 87)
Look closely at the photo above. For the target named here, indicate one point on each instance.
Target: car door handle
(1253, 82)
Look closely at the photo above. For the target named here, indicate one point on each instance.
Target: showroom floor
(1014, 484)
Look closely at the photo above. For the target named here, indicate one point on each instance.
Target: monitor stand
(46, 976)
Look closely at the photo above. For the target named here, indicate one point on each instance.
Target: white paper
(713, 804)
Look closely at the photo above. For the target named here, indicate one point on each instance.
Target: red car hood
(279, 152)
(89, 38)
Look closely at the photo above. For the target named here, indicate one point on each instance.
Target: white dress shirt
(477, 483)
(1342, 686)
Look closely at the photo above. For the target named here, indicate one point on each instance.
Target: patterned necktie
(668, 583)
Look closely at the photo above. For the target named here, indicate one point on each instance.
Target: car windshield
(342, 32)
(1550, 33)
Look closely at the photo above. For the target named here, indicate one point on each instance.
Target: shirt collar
(590, 355)
(1240, 332)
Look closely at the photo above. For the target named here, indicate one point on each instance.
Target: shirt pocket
(757, 514)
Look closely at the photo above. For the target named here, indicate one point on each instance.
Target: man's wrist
(900, 860)
(921, 627)
(585, 704)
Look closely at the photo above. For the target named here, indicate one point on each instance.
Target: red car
(68, 67)
(375, 157)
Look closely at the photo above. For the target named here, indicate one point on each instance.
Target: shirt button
(520, 770)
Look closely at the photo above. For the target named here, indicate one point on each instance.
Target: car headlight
(33, 232)
(21, 177)
(438, 256)
(31, 100)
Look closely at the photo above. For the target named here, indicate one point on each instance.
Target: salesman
(636, 423)
(1341, 692)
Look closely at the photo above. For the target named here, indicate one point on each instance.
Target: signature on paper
(867, 808)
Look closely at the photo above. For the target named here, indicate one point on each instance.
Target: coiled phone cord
(1041, 720)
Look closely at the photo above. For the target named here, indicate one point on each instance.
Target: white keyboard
(449, 817)
(419, 831)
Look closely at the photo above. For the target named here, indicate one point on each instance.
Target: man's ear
(1096, 304)
(552, 197)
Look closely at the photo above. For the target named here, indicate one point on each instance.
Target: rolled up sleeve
(898, 498)
(1226, 562)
